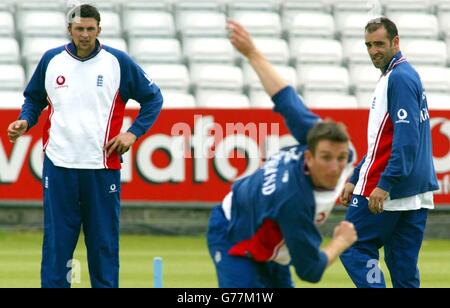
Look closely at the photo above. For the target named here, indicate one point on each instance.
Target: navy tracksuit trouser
(401, 234)
(75, 198)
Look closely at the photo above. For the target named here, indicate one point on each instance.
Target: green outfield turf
(186, 262)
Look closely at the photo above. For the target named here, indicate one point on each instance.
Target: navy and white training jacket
(399, 156)
(274, 211)
(86, 99)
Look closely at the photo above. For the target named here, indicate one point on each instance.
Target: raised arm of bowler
(268, 220)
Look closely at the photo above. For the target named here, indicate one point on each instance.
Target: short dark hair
(326, 130)
(374, 24)
(83, 11)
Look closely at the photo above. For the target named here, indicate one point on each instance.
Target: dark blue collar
(72, 50)
(393, 62)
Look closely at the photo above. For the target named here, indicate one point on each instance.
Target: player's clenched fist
(346, 193)
(17, 129)
(345, 232)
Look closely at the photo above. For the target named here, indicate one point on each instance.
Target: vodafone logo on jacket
(60, 81)
(402, 114)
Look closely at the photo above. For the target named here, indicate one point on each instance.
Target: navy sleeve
(35, 94)
(135, 84)
(355, 176)
(299, 119)
(403, 107)
(302, 240)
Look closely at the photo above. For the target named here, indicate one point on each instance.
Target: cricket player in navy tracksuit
(268, 220)
(392, 185)
(86, 86)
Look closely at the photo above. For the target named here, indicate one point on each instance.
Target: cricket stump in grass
(157, 272)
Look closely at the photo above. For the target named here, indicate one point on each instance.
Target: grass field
(186, 262)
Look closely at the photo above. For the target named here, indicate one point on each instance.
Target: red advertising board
(193, 155)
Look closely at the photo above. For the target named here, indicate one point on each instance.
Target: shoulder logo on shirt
(100, 81)
(60, 81)
(402, 114)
